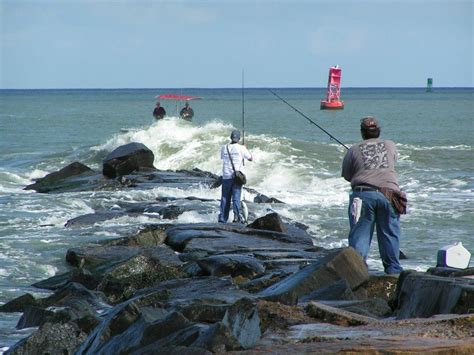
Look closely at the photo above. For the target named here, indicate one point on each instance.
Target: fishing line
(310, 120)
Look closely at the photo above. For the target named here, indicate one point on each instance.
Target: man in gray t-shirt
(370, 166)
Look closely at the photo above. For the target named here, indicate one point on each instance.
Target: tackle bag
(240, 178)
(398, 199)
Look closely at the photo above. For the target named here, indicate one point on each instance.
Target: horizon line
(239, 88)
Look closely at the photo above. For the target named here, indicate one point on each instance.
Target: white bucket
(454, 255)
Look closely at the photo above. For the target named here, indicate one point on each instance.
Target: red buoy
(333, 96)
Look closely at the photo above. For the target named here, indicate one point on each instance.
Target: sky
(208, 44)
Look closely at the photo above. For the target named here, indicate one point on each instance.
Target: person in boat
(370, 168)
(159, 112)
(186, 112)
(233, 153)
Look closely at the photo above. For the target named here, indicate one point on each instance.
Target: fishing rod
(245, 210)
(310, 120)
(243, 110)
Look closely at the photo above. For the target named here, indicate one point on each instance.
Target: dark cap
(369, 123)
(235, 136)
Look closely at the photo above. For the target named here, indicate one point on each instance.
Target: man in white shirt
(233, 153)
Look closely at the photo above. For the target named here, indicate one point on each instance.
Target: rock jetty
(229, 288)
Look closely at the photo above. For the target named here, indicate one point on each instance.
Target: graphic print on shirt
(374, 155)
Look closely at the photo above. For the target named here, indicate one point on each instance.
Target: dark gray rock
(204, 312)
(341, 264)
(81, 276)
(69, 177)
(149, 235)
(244, 323)
(70, 303)
(51, 338)
(339, 290)
(217, 338)
(271, 222)
(218, 238)
(140, 271)
(126, 159)
(419, 295)
(166, 350)
(264, 281)
(33, 316)
(19, 304)
(450, 272)
(335, 315)
(373, 307)
(97, 217)
(261, 198)
(92, 256)
(231, 264)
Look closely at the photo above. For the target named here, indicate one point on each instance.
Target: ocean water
(41, 131)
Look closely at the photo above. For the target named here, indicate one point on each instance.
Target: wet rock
(148, 236)
(81, 276)
(271, 221)
(92, 256)
(69, 177)
(127, 159)
(231, 264)
(72, 302)
(218, 238)
(93, 218)
(261, 198)
(19, 304)
(422, 295)
(341, 264)
(57, 338)
(34, 316)
(141, 271)
(244, 323)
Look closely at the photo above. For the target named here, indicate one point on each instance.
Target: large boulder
(126, 159)
(271, 221)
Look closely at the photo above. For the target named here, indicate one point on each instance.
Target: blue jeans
(376, 211)
(230, 191)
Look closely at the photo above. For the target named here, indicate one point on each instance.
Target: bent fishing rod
(309, 119)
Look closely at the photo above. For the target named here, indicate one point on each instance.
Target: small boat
(333, 96)
(186, 112)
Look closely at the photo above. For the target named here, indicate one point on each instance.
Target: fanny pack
(398, 199)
